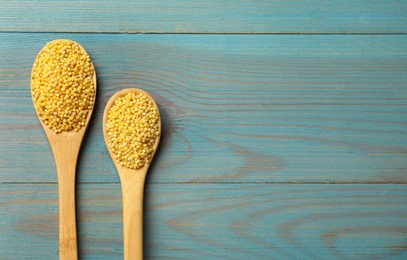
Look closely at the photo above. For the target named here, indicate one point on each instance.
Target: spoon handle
(67, 221)
(133, 192)
(65, 159)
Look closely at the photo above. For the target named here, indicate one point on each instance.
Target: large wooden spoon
(132, 182)
(65, 147)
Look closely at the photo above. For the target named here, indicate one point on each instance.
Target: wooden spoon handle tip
(133, 193)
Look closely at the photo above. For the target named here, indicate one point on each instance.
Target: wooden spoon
(132, 182)
(65, 147)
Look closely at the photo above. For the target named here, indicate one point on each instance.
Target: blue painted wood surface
(210, 16)
(257, 108)
(285, 128)
(227, 221)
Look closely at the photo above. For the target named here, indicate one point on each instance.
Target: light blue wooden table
(284, 128)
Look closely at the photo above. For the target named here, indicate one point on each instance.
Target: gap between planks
(216, 183)
(209, 33)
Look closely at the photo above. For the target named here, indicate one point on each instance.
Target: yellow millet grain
(132, 128)
(62, 86)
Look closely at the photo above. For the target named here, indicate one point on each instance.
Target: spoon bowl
(132, 183)
(65, 147)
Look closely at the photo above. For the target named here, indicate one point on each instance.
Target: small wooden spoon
(65, 147)
(132, 182)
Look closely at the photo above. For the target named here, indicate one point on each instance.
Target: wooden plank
(215, 221)
(269, 108)
(211, 16)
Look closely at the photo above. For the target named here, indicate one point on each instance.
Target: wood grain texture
(254, 96)
(211, 16)
(268, 108)
(216, 221)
